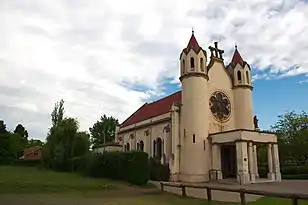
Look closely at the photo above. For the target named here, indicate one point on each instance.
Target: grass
(14, 179)
(28, 185)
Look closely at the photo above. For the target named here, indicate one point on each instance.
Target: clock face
(220, 106)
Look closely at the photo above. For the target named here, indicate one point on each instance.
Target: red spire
(237, 58)
(193, 43)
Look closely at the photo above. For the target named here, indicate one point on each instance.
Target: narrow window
(192, 63)
(247, 77)
(194, 138)
(138, 146)
(204, 144)
(183, 66)
(201, 64)
(239, 76)
(184, 132)
(125, 149)
(141, 146)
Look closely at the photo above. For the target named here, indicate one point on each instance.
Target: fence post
(183, 190)
(243, 198)
(294, 200)
(209, 194)
(162, 186)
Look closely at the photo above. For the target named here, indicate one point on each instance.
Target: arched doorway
(141, 145)
(159, 147)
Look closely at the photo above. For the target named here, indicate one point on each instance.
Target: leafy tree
(34, 142)
(104, 130)
(63, 141)
(2, 127)
(292, 132)
(23, 133)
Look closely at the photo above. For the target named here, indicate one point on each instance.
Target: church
(207, 131)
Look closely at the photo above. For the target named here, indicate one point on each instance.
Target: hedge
(20, 162)
(288, 172)
(130, 166)
(158, 171)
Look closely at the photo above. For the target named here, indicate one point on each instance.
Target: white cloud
(88, 51)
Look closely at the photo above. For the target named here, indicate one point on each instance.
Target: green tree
(34, 142)
(23, 133)
(64, 141)
(4, 140)
(104, 130)
(292, 132)
(2, 127)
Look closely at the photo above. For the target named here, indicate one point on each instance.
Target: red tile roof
(149, 110)
(29, 150)
(237, 58)
(193, 43)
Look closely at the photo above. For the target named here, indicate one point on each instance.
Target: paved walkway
(286, 186)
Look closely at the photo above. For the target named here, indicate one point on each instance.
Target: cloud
(109, 57)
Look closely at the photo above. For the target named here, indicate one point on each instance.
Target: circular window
(220, 106)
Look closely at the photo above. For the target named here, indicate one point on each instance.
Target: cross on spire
(215, 51)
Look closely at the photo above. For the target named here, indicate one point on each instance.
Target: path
(286, 186)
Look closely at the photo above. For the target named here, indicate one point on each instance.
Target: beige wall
(107, 149)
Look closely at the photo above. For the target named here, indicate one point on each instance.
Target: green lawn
(28, 185)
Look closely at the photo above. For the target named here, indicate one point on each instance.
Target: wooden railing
(242, 192)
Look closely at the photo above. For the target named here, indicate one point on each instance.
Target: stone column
(175, 133)
(271, 175)
(276, 164)
(255, 160)
(242, 163)
(251, 162)
(216, 160)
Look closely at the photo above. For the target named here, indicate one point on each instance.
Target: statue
(255, 122)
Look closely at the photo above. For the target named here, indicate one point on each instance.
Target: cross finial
(216, 52)
(192, 30)
(235, 46)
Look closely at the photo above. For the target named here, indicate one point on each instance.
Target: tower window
(184, 132)
(201, 65)
(239, 76)
(183, 66)
(247, 77)
(194, 138)
(192, 63)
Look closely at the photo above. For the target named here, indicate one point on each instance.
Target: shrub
(129, 166)
(158, 171)
(20, 162)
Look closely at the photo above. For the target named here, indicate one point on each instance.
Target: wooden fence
(242, 192)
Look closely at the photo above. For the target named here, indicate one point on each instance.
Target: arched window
(201, 65)
(138, 146)
(159, 145)
(183, 66)
(141, 146)
(239, 76)
(127, 147)
(192, 63)
(247, 77)
(154, 148)
(194, 138)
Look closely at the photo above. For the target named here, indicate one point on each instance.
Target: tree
(2, 127)
(63, 141)
(104, 130)
(23, 133)
(292, 132)
(34, 142)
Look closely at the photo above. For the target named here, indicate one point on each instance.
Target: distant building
(32, 153)
(107, 147)
(208, 129)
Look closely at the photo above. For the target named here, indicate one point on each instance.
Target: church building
(206, 131)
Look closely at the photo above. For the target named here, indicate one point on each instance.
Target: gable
(219, 76)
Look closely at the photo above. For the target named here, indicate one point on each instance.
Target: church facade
(206, 131)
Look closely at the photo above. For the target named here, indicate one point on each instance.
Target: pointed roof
(237, 58)
(193, 43)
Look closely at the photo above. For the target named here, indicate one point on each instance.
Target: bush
(20, 162)
(298, 176)
(130, 166)
(287, 171)
(158, 171)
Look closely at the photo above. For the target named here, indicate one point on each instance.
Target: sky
(109, 57)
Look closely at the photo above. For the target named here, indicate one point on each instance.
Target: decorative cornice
(242, 86)
(194, 74)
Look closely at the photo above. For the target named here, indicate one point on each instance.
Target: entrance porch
(234, 155)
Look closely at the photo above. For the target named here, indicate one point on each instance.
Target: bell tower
(194, 113)
(242, 91)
